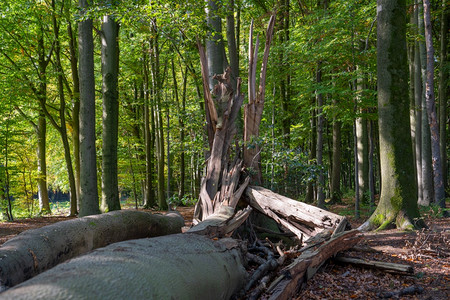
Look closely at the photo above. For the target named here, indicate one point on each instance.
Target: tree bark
(336, 194)
(35, 251)
(75, 115)
(427, 169)
(110, 116)
(183, 266)
(319, 148)
(88, 166)
(398, 199)
(418, 111)
(439, 192)
(443, 90)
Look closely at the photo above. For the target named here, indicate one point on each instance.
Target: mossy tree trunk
(398, 199)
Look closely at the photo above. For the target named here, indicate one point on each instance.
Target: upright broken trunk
(221, 185)
(254, 109)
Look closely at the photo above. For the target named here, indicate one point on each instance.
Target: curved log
(181, 266)
(35, 251)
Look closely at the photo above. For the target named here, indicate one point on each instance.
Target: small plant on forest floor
(433, 211)
(186, 200)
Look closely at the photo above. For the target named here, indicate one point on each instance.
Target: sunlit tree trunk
(110, 116)
(398, 198)
(439, 192)
(319, 148)
(427, 169)
(88, 167)
(443, 89)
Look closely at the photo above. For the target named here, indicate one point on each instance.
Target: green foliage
(186, 200)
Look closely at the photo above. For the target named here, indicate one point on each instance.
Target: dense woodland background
(319, 126)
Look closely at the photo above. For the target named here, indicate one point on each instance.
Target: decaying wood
(302, 219)
(222, 223)
(35, 251)
(306, 265)
(380, 265)
(254, 109)
(178, 266)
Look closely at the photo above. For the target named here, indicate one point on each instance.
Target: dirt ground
(428, 251)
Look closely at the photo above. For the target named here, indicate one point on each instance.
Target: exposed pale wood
(305, 266)
(300, 218)
(222, 222)
(380, 265)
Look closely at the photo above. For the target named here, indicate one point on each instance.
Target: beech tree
(398, 200)
(88, 159)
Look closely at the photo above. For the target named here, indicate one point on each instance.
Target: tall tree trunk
(439, 192)
(214, 42)
(232, 48)
(88, 167)
(427, 169)
(110, 116)
(149, 141)
(62, 128)
(319, 150)
(336, 162)
(75, 115)
(418, 111)
(443, 90)
(44, 205)
(157, 115)
(309, 198)
(398, 199)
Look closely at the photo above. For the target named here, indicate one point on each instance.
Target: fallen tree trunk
(307, 264)
(302, 219)
(373, 264)
(181, 266)
(35, 251)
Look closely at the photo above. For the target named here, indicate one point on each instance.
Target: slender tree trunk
(88, 167)
(75, 115)
(418, 112)
(319, 149)
(443, 90)
(309, 198)
(336, 162)
(110, 116)
(62, 128)
(44, 205)
(398, 199)
(232, 48)
(439, 192)
(427, 169)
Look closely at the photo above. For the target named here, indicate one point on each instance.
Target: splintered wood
(302, 219)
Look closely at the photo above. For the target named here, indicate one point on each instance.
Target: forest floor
(428, 251)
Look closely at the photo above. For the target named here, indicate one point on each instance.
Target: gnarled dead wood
(380, 265)
(307, 264)
(302, 219)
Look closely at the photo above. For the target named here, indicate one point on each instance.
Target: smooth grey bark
(110, 116)
(438, 183)
(310, 189)
(398, 198)
(319, 148)
(181, 266)
(233, 53)
(443, 89)
(214, 42)
(427, 169)
(88, 160)
(75, 114)
(37, 250)
(336, 195)
(418, 111)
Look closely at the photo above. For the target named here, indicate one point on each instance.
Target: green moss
(397, 200)
(378, 220)
(93, 224)
(385, 224)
